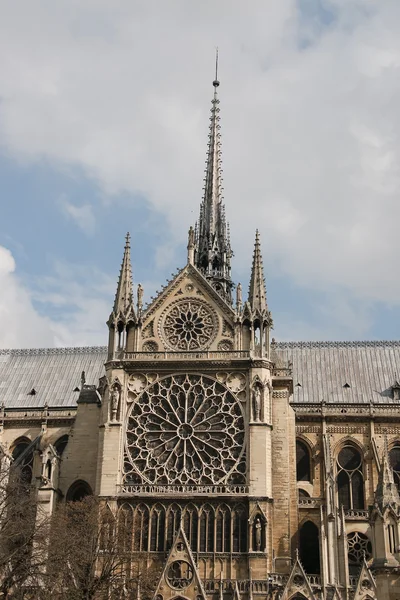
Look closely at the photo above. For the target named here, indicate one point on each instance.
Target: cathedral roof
(47, 376)
(334, 372)
(342, 372)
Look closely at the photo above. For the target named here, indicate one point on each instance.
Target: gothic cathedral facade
(245, 468)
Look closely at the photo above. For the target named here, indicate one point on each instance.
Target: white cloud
(20, 324)
(311, 133)
(83, 215)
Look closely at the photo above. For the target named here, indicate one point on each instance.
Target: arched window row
(350, 478)
(207, 528)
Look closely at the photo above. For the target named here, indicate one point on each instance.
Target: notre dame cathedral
(246, 468)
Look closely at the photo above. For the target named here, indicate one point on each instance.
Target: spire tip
(216, 81)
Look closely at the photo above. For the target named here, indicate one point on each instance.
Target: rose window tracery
(180, 574)
(359, 546)
(188, 325)
(185, 429)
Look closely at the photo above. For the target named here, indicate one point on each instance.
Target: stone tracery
(185, 429)
(189, 324)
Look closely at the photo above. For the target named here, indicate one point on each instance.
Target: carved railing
(352, 513)
(148, 489)
(259, 586)
(309, 502)
(341, 409)
(201, 355)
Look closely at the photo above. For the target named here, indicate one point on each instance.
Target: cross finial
(216, 82)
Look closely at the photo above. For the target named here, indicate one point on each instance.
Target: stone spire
(386, 493)
(257, 291)
(123, 303)
(212, 246)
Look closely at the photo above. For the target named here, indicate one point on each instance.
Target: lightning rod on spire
(216, 82)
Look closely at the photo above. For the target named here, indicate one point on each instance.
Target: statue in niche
(257, 403)
(115, 395)
(257, 531)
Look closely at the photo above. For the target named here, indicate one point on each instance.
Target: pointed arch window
(23, 457)
(239, 530)
(157, 528)
(190, 526)
(141, 528)
(394, 456)
(303, 461)
(207, 529)
(350, 478)
(223, 529)
(173, 523)
(309, 548)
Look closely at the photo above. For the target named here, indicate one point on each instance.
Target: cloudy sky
(104, 108)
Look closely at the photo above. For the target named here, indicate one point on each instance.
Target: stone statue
(257, 404)
(83, 379)
(115, 394)
(258, 534)
(239, 295)
(139, 297)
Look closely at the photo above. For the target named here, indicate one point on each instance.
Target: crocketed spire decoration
(257, 290)
(123, 303)
(386, 493)
(212, 244)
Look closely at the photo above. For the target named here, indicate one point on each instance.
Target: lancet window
(23, 457)
(394, 456)
(350, 478)
(309, 548)
(303, 461)
(209, 528)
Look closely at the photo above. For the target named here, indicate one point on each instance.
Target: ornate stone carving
(225, 345)
(148, 331)
(185, 429)
(188, 324)
(227, 329)
(280, 394)
(257, 399)
(150, 346)
(180, 574)
(115, 395)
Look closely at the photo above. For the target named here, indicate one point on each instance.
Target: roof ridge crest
(54, 350)
(335, 344)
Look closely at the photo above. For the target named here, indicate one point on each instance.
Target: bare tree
(23, 534)
(87, 557)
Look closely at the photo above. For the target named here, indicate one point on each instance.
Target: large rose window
(188, 325)
(185, 429)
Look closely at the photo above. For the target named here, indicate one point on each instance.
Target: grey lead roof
(321, 368)
(342, 372)
(53, 372)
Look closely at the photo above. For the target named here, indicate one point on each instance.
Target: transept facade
(243, 467)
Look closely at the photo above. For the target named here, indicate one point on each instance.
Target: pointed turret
(257, 290)
(212, 246)
(123, 298)
(123, 315)
(386, 493)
